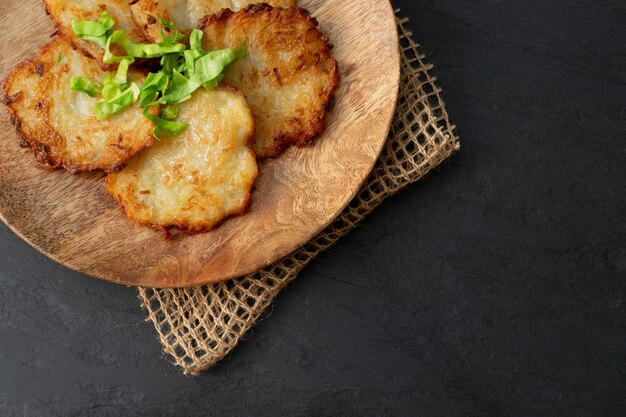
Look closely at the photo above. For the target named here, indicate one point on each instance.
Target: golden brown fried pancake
(63, 11)
(185, 14)
(193, 181)
(60, 124)
(289, 76)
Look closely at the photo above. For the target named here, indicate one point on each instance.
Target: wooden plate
(73, 220)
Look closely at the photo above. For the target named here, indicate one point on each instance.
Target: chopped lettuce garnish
(119, 103)
(154, 84)
(86, 85)
(137, 50)
(163, 126)
(97, 31)
(110, 88)
(195, 39)
(122, 71)
(173, 62)
(172, 39)
(183, 71)
(169, 112)
(116, 94)
(206, 71)
(167, 23)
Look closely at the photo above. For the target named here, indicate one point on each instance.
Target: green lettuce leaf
(86, 85)
(195, 39)
(166, 23)
(180, 90)
(169, 112)
(172, 39)
(173, 62)
(136, 50)
(164, 127)
(206, 71)
(119, 103)
(191, 56)
(97, 31)
(113, 84)
(155, 84)
(121, 77)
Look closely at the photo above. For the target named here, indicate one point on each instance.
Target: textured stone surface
(495, 288)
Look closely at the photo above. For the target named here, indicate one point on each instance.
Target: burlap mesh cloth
(199, 326)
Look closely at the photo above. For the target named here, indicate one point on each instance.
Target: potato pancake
(289, 76)
(193, 181)
(185, 14)
(59, 124)
(63, 11)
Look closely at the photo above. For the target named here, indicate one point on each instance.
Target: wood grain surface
(72, 219)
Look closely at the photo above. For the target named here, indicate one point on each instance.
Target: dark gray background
(495, 288)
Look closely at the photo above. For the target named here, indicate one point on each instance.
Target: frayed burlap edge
(199, 326)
